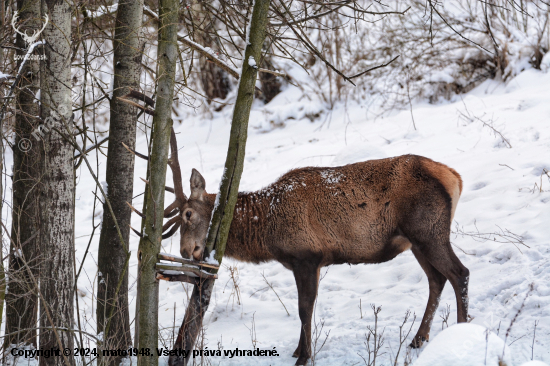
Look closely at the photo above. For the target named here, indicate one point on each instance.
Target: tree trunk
(229, 187)
(215, 81)
(58, 186)
(120, 181)
(149, 245)
(2, 154)
(22, 297)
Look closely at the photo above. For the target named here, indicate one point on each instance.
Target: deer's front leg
(307, 281)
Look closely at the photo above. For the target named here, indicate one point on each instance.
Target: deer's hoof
(418, 341)
(302, 361)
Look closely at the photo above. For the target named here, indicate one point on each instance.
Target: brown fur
(366, 212)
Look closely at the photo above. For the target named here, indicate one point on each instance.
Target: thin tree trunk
(58, 186)
(22, 297)
(229, 187)
(2, 154)
(149, 245)
(120, 181)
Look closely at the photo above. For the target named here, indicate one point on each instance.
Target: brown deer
(366, 212)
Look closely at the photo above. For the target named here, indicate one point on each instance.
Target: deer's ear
(197, 186)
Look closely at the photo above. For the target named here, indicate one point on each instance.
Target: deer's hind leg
(436, 283)
(440, 255)
(429, 233)
(307, 281)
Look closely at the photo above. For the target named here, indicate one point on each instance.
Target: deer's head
(196, 213)
(191, 216)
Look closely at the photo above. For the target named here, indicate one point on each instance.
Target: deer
(313, 217)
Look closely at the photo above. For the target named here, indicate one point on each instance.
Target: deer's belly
(368, 251)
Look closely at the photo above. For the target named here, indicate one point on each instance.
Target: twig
(402, 338)
(531, 287)
(271, 287)
(374, 68)
(504, 236)
(92, 147)
(534, 336)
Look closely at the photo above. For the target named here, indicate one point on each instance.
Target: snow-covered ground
(506, 199)
(502, 194)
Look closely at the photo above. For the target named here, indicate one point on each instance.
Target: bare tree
(22, 299)
(111, 307)
(57, 186)
(229, 186)
(149, 245)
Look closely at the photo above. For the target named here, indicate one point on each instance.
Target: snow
(506, 190)
(252, 62)
(494, 196)
(103, 10)
(465, 344)
(105, 187)
(211, 258)
(499, 193)
(5, 76)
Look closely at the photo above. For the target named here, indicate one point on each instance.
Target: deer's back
(356, 213)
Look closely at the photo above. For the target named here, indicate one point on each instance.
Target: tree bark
(58, 186)
(120, 181)
(22, 297)
(149, 245)
(2, 154)
(229, 187)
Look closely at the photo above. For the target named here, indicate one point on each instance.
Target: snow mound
(356, 153)
(464, 344)
(534, 363)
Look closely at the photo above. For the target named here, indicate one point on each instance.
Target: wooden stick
(92, 147)
(135, 210)
(173, 258)
(140, 96)
(186, 268)
(144, 157)
(136, 232)
(169, 189)
(144, 109)
(177, 278)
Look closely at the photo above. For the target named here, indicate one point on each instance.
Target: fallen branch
(503, 236)
(186, 268)
(164, 276)
(173, 258)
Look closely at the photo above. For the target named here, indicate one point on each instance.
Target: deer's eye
(188, 215)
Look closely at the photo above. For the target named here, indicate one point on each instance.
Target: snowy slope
(499, 196)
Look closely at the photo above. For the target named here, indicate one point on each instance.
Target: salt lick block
(464, 344)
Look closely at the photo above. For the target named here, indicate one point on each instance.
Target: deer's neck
(247, 240)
